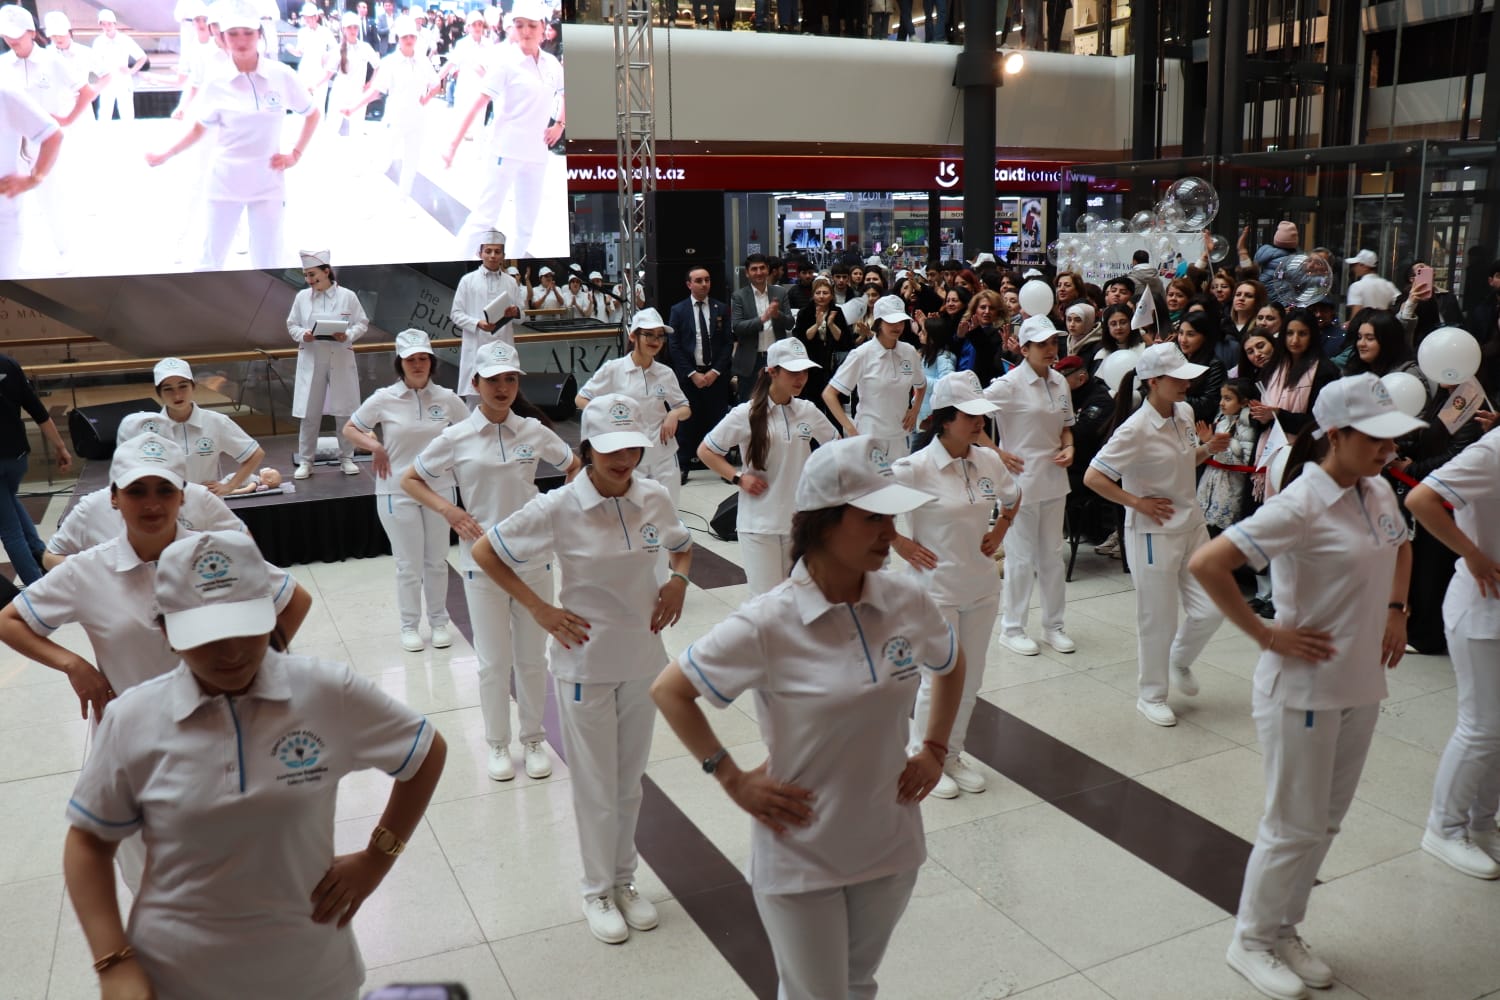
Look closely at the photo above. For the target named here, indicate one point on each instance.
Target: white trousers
(1159, 569)
(1033, 554)
(406, 146)
(1467, 788)
(607, 738)
(121, 96)
(523, 179)
(972, 624)
(419, 543)
(321, 355)
(264, 217)
(767, 560)
(507, 640)
(829, 942)
(1312, 764)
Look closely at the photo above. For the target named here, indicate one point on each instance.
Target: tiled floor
(1018, 897)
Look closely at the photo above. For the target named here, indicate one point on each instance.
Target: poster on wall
(233, 143)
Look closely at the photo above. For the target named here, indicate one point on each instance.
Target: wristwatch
(711, 763)
(385, 842)
(736, 480)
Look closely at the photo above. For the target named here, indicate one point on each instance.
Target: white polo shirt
(94, 521)
(1033, 412)
(1155, 456)
(495, 466)
(235, 799)
(790, 430)
(320, 53)
(526, 92)
(656, 387)
(1332, 553)
(45, 75)
(409, 419)
(112, 57)
(245, 114)
(606, 549)
(885, 380)
(954, 525)
(111, 594)
(1471, 483)
(834, 687)
(404, 81)
(476, 290)
(204, 435)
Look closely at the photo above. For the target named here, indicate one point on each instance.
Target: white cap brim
(1393, 424)
(899, 317)
(485, 371)
(892, 499)
(1188, 371)
(407, 352)
(200, 626)
(797, 365)
(145, 470)
(606, 444)
(976, 407)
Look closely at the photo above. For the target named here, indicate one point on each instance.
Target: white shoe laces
(606, 904)
(629, 891)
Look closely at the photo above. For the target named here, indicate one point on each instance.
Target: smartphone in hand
(1421, 280)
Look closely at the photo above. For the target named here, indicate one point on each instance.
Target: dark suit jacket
(683, 319)
(744, 321)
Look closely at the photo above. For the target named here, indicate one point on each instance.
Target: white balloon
(1036, 298)
(1114, 366)
(1407, 392)
(1449, 355)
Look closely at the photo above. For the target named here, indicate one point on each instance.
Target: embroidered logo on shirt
(650, 535)
(898, 653)
(436, 412)
(525, 452)
(300, 752)
(273, 100)
(804, 430)
(906, 368)
(987, 486)
(1392, 529)
(658, 390)
(204, 446)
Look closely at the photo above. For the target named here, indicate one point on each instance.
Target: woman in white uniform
(1340, 562)
(1148, 466)
(579, 299)
(468, 61)
(547, 295)
(243, 895)
(838, 839)
(23, 124)
(409, 414)
(655, 388)
(494, 456)
(887, 371)
(316, 51)
(1036, 425)
(408, 81)
(952, 548)
(203, 435)
(327, 378)
(246, 109)
(1461, 827)
(606, 528)
(352, 61)
(774, 432)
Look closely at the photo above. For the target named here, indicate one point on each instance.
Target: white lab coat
(338, 303)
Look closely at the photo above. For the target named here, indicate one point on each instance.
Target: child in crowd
(1225, 495)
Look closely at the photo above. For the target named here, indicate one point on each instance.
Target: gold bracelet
(113, 959)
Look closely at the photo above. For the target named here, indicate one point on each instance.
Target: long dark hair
(809, 527)
(1306, 449)
(1125, 405)
(1389, 334)
(932, 428)
(1107, 343)
(1204, 326)
(1295, 369)
(760, 438)
(938, 335)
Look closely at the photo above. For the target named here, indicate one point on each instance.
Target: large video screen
(200, 151)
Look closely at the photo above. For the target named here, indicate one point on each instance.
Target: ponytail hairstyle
(933, 427)
(344, 49)
(760, 438)
(1305, 449)
(1125, 405)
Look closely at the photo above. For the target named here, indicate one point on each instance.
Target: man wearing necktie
(700, 348)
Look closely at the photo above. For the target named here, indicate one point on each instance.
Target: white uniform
(351, 65)
(404, 82)
(1467, 788)
(320, 55)
(476, 290)
(408, 420)
(112, 58)
(79, 59)
(50, 81)
(495, 466)
(204, 436)
(1156, 456)
(472, 59)
(764, 523)
(245, 114)
(526, 92)
(327, 378)
(1332, 553)
(606, 550)
(659, 391)
(885, 380)
(1033, 413)
(965, 584)
(22, 122)
(832, 703)
(1372, 291)
(94, 521)
(235, 797)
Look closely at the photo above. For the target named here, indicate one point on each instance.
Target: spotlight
(1013, 63)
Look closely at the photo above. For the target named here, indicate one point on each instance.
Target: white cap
(1030, 273)
(531, 10)
(351, 20)
(15, 21)
(234, 14)
(106, 15)
(316, 258)
(789, 353)
(648, 319)
(489, 236)
(1365, 257)
(405, 25)
(492, 16)
(56, 23)
(545, 270)
(984, 258)
(872, 261)
(412, 341)
(595, 276)
(961, 390)
(476, 16)
(148, 455)
(168, 367)
(1166, 359)
(310, 10)
(855, 471)
(496, 358)
(1363, 402)
(575, 267)
(513, 271)
(141, 422)
(891, 309)
(1036, 330)
(612, 422)
(213, 586)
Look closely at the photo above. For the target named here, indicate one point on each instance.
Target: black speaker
(93, 428)
(723, 522)
(666, 281)
(685, 225)
(551, 392)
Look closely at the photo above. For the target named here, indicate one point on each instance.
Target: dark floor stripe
(712, 571)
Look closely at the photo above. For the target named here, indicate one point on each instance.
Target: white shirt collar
(589, 497)
(270, 684)
(812, 605)
(1322, 486)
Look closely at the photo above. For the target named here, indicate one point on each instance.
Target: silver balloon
(1197, 199)
(1115, 226)
(1173, 218)
(1054, 252)
(1220, 249)
(1143, 221)
(1085, 223)
(1314, 279)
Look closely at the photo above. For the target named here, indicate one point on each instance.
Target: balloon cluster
(1447, 356)
(1104, 246)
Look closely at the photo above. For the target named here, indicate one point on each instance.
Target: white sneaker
(1021, 644)
(1156, 712)
(1186, 682)
(304, 469)
(500, 768)
(946, 787)
(1058, 640)
(1266, 973)
(350, 469)
(1487, 841)
(605, 922)
(639, 912)
(1462, 854)
(538, 764)
(1309, 968)
(411, 640)
(441, 637)
(964, 776)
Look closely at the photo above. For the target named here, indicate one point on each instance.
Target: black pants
(708, 406)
